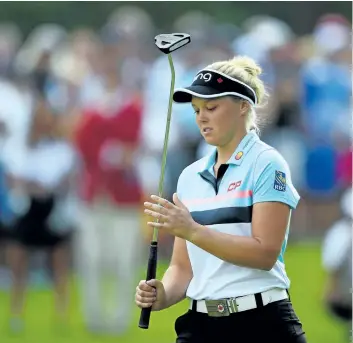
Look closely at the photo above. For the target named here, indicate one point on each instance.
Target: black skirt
(274, 323)
(32, 230)
(3, 232)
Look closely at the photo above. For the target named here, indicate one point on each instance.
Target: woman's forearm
(239, 250)
(176, 281)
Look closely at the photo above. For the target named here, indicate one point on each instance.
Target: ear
(244, 108)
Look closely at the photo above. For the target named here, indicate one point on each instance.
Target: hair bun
(248, 64)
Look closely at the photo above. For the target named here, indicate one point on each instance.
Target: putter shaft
(166, 138)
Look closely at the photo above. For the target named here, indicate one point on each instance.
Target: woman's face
(220, 119)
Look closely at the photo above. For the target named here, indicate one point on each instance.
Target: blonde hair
(247, 71)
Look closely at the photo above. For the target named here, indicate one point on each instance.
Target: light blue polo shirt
(256, 172)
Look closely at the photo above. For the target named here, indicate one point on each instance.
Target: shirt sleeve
(179, 187)
(272, 180)
(182, 184)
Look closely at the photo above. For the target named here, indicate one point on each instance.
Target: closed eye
(212, 108)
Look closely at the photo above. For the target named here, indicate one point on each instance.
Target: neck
(226, 151)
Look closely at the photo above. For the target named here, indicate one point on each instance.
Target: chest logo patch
(239, 155)
(233, 186)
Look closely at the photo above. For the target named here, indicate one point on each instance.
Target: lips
(207, 129)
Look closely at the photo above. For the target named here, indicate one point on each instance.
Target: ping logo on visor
(208, 84)
(203, 76)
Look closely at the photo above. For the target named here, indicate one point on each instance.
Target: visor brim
(184, 95)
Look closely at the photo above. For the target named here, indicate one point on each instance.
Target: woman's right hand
(150, 293)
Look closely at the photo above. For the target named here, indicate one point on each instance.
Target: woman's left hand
(172, 218)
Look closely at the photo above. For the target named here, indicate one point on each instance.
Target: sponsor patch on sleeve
(280, 181)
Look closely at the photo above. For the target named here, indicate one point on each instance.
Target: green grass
(303, 265)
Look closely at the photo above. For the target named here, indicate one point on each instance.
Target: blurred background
(83, 100)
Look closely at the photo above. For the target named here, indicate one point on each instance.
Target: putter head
(169, 42)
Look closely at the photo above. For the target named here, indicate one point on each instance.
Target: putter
(167, 43)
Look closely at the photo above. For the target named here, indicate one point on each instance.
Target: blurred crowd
(82, 119)
(53, 73)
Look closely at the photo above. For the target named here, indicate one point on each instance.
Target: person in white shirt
(40, 171)
(337, 262)
(230, 219)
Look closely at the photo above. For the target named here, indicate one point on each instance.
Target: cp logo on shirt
(234, 185)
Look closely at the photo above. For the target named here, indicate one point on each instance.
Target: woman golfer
(230, 219)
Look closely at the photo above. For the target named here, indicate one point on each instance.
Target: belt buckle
(233, 306)
(217, 308)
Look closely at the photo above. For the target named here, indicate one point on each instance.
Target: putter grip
(151, 274)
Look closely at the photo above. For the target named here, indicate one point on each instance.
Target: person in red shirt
(107, 145)
(344, 167)
(107, 138)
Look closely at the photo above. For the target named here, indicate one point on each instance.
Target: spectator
(326, 86)
(39, 180)
(337, 261)
(107, 138)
